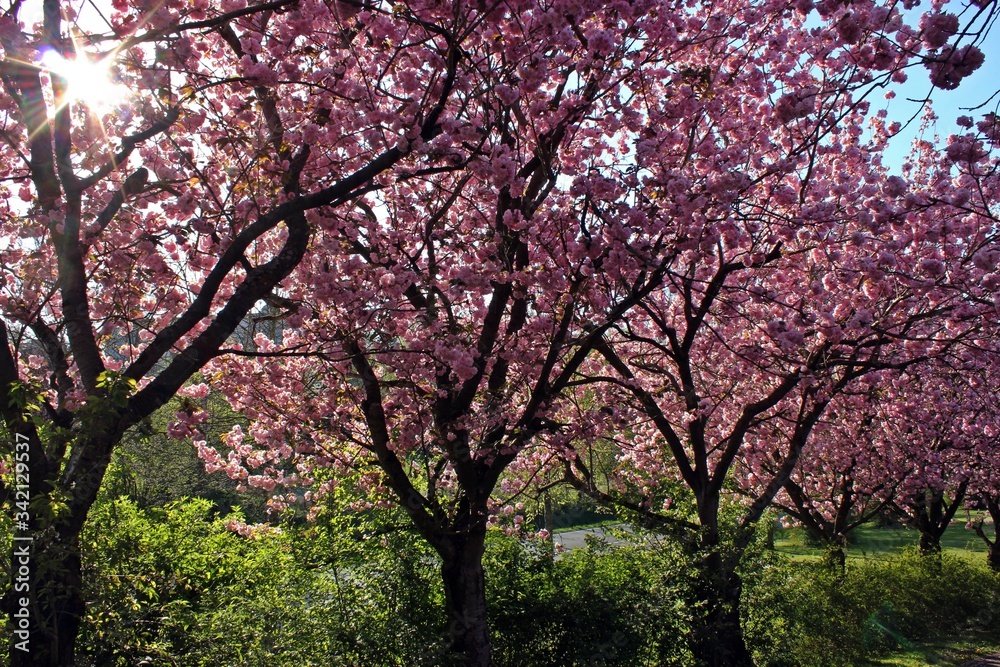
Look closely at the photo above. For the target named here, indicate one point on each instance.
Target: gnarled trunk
(992, 503)
(930, 542)
(931, 513)
(465, 599)
(836, 557)
(993, 556)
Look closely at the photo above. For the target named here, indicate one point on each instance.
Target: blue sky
(947, 104)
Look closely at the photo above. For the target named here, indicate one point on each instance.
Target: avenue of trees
(435, 258)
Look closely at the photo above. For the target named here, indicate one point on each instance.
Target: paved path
(577, 539)
(988, 661)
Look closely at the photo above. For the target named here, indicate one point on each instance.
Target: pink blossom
(795, 105)
(951, 65)
(894, 187)
(937, 29)
(934, 268)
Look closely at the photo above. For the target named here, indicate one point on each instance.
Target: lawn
(871, 541)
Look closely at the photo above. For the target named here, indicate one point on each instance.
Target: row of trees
(496, 235)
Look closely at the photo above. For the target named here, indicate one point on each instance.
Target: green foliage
(811, 615)
(162, 581)
(175, 586)
(599, 606)
(25, 397)
(154, 469)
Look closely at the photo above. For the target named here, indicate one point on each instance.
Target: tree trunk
(47, 605)
(930, 543)
(465, 600)
(993, 507)
(836, 558)
(550, 519)
(718, 638)
(993, 555)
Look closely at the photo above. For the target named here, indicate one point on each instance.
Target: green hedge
(811, 615)
(175, 587)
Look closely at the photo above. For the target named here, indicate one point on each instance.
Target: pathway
(988, 661)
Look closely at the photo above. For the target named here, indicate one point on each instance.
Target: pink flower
(952, 65)
(795, 105)
(198, 391)
(937, 29)
(934, 268)
(849, 28)
(964, 149)
(894, 186)
(506, 94)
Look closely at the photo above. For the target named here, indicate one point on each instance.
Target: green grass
(870, 541)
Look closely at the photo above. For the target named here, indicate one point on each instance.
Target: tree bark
(993, 556)
(836, 558)
(718, 638)
(993, 546)
(465, 599)
(930, 543)
(47, 637)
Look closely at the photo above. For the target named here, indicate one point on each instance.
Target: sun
(87, 81)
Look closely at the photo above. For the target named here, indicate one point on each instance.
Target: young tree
(137, 236)
(929, 421)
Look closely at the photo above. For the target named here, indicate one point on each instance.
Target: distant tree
(848, 474)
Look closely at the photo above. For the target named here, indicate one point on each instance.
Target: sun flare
(87, 81)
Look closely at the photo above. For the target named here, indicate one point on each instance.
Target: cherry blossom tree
(137, 236)
(848, 473)
(644, 184)
(440, 317)
(915, 443)
(985, 486)
(731, 373)
(808, 285)
(929, 421)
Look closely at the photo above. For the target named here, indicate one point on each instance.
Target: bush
(619, 605)
(174, 586)
(811, 615)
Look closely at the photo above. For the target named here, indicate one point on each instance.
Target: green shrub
(619, 605)
(811, 615)
(174, 586)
